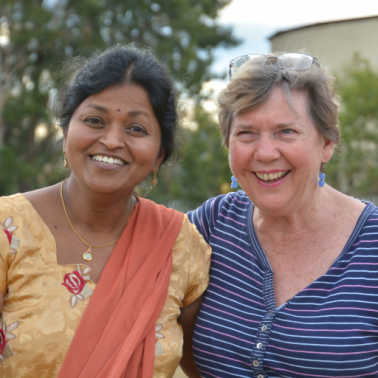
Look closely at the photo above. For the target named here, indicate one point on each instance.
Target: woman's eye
(94, 121)
(287, 131)
(137, 129)
(246, 133)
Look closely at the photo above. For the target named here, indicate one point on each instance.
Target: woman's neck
(95, 211)
(317, 218)
(298, 217)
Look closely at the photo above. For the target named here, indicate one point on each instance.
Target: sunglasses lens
(291, 61)
(295, 61)
(239, 61)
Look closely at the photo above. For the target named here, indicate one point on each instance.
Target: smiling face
(113, 140)
(276, 154)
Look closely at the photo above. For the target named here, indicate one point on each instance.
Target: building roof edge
(319, 24)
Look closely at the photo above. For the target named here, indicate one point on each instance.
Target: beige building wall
(333, 43)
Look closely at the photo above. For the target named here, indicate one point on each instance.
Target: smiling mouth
(108, 160)
(271, 178)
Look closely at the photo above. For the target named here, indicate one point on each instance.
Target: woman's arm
(187, 319)
(1, 302)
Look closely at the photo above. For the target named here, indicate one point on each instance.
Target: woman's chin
(105, 185)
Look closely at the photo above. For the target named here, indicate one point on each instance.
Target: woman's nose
(113, 137)
(266, 149)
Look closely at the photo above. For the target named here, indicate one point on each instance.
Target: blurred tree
(354, 167)
(36, 36)
(203, 171)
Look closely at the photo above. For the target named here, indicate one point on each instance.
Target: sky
(256, 20)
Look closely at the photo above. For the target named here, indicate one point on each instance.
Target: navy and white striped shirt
(329, 329)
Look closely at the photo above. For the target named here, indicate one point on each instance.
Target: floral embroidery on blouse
(76, 284)
(8, 228)
(6, 335)
(158, 348)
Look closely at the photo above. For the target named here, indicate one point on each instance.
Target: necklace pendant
(87, 256)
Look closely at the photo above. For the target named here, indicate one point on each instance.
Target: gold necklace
(87, 255)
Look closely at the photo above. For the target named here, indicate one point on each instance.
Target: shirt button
(259, 345)
(264, 328)
(260, 376)
(255, 363)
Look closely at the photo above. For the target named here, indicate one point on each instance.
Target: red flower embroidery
(74, 282)
(14, 241)
(9, 236)
(3, 340)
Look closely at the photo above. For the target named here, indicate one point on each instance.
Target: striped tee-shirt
(329, 329)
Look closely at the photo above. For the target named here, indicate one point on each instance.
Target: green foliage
(353, 169)
(43, 34)
(203, 171)
(13, 170)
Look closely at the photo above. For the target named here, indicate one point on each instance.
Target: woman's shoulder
(190, 233)
(29, 204)
(18, 216)
(14, 211)
(191, 261)
(373, 207)
(232, 207)
(234, 202)
(369, 214)
(238, 198)
(14, 205)
(189, 237)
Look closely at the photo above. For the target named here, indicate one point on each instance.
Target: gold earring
(154, 180)
(65, 161)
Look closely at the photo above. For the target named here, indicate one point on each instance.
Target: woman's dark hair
(120, 65)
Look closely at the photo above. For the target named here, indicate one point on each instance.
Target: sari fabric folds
(116, 336)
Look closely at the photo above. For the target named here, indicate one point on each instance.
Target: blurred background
(196, 39)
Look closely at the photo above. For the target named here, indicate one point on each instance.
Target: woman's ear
(328, 149)
(64, 139)
(158, 161)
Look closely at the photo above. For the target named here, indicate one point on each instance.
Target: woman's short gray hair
(252, 84)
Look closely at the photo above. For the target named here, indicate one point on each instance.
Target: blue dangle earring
(234, 182)
(322, 176)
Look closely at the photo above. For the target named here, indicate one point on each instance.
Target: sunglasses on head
(290, 61)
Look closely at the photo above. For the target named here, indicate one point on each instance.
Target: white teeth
(108, 160)
(271, 176)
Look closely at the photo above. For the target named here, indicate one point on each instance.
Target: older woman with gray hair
(294, 278)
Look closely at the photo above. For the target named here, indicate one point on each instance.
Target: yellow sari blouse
(44, 301)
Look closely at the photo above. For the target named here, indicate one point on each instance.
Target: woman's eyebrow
(98, 107)
(136, 113)
(133, 113)
(243, 126)
(285, 125)
(249, 126)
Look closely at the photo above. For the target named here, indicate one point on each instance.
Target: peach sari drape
(116, 336)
